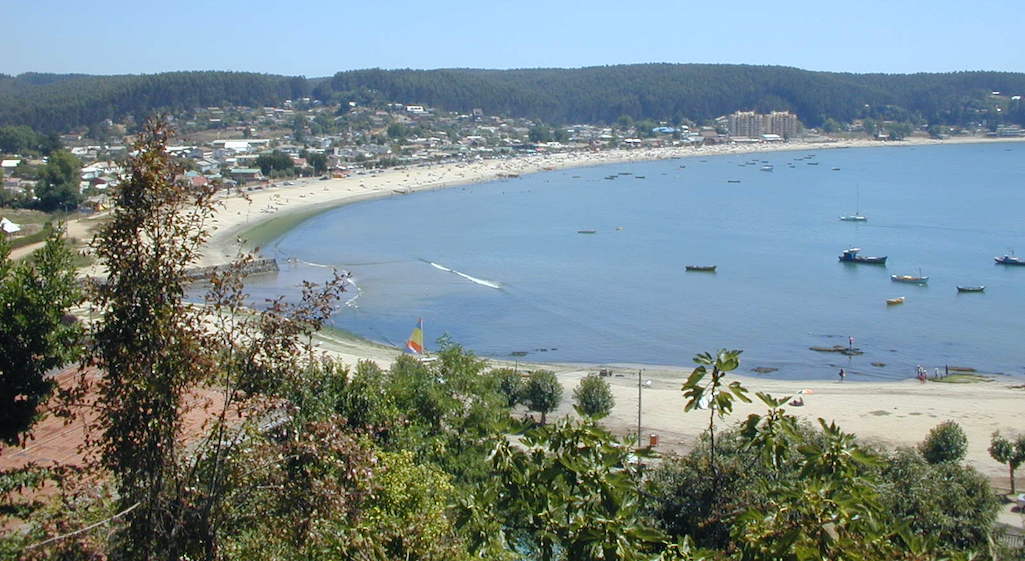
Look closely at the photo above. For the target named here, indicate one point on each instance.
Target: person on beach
(841, 374)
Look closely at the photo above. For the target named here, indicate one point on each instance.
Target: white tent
(8, 226)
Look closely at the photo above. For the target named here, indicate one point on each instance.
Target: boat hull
(909, 279)
(863, 260)
(1008, 260)
(971, 288)
(700, 268)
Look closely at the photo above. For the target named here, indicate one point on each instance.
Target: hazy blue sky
(319, 38)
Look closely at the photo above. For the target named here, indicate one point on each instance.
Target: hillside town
(247, 147)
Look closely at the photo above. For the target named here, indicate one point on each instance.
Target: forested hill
(692, 91)
(54, 103)
(51, 103)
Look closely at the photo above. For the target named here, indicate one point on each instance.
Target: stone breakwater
(268, 265)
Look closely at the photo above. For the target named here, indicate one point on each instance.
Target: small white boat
(909, 279)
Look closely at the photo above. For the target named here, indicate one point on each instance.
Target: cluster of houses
(222, 144)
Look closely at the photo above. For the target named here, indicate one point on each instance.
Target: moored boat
(850, 255)
(857, 216)
(1009, 260)
(700, 268)
(909, 278)
(588, 231)
(894, 301)
(979, 288)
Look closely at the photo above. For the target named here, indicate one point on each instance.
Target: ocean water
(501, 268)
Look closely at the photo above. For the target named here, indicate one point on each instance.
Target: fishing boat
(700, 268)
(913, 279)
(766, 167)
(979, 288)
(894, 301)
(587, 231)
(732, 181)
(1009, 260)
(851, 256)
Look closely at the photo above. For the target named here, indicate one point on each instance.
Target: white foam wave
(475, 280)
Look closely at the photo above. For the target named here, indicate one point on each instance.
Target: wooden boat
(894, 301)
(909, 278)
(979, 288)
(587, 231)
(850, 255)
(1009, 260)
(700, 268)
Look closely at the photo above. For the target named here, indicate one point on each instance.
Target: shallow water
(501, 267)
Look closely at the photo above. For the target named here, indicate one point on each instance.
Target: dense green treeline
(52, 103)
(698, 92)
(601, 94)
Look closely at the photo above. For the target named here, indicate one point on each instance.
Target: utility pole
(639, 408)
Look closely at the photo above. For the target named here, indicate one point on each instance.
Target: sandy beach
(887, 413)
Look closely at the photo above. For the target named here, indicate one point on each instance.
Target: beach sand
(887, 413)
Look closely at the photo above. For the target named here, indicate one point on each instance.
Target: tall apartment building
(751, 124)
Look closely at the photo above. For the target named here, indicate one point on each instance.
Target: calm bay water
(530, 283)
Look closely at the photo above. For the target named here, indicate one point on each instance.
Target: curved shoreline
(262, 216)
(287, 206)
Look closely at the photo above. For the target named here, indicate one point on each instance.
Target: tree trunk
(1012, 480)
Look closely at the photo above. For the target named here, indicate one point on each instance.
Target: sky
(321, 37)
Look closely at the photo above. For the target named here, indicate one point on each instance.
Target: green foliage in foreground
(542, 393)
(593, 397)
(1008, 452)
(34, 338)
(775, 489)
(945, 443)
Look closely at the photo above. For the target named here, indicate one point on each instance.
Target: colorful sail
(415, 344)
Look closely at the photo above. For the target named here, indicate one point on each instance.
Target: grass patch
(268, 230)
(328, 333)
(30, 239)
(963, 379)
